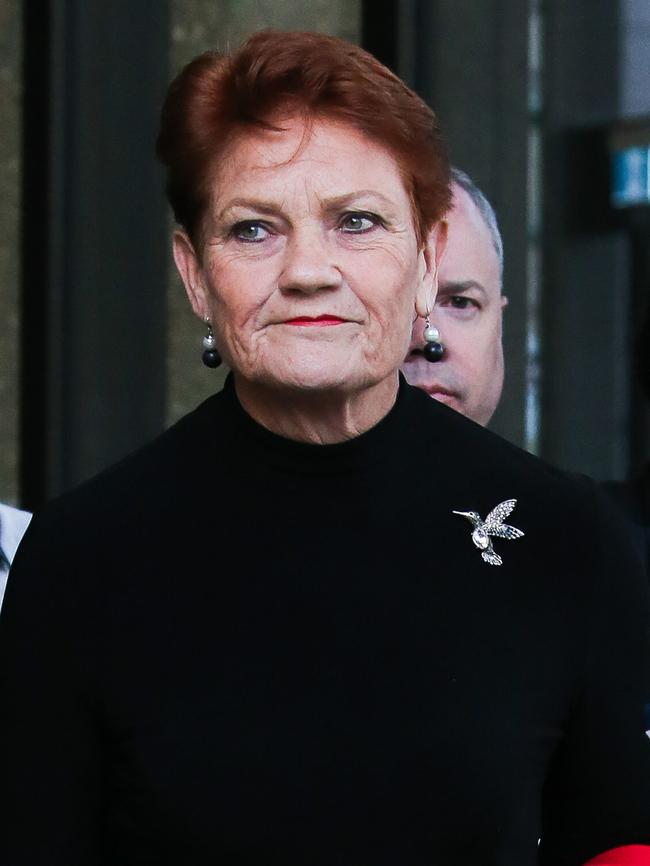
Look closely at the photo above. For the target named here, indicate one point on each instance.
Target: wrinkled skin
(311, 223)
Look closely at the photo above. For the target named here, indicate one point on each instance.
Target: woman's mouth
(313, 321)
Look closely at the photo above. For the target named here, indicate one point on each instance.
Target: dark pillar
(468, 59)
(94, 238)
(380, 29)
(588, 350)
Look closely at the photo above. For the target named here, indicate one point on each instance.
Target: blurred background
(546, 103)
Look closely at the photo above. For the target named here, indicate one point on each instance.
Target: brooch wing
(496, 517)
(505, 531)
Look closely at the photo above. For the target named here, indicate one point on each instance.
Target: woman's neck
(320, 418)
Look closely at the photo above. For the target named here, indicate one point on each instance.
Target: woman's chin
(314, 374)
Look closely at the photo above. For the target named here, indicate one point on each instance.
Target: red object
(325, 321)
(628, 855)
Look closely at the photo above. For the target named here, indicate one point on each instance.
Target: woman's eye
(250, 231)
(356, 223)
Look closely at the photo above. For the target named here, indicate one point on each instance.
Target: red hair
(216, 97)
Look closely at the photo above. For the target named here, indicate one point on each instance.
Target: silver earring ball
(431, 334)
(211, 357)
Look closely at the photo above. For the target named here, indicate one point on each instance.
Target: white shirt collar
(13, 524)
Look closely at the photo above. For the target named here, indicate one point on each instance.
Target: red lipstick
(311, 321)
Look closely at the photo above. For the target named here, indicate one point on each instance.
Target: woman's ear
(189, 268)
(430, 256)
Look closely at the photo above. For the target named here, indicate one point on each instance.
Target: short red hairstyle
(217, 97)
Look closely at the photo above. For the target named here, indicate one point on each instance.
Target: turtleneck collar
(351, 456)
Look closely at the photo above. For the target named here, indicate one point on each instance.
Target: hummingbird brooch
(494, 526)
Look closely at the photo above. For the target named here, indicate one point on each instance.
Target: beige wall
(10, 58)
(199, 25)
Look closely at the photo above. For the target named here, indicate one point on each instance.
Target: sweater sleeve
(597, 795)
(49, 746)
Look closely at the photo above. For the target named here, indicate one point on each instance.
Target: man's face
(468, 313)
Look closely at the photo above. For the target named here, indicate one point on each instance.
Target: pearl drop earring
(433, 349)
(211, 357)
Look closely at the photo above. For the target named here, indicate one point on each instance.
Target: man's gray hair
(484, 207)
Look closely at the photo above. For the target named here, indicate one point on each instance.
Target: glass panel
(534, 158)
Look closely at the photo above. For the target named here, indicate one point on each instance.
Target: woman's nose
(309, 264)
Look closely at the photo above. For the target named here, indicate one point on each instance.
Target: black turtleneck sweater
(236, 649)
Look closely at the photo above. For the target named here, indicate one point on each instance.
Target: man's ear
(504, 302)
(431, 256)
(189, 268)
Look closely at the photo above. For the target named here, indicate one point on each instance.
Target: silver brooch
(492, 525)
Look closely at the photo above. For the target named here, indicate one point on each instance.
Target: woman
(282, 633)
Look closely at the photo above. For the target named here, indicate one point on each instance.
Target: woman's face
(310, 270)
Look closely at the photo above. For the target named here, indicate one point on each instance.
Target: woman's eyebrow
(328, 204)
(267, 207)
(350, 197)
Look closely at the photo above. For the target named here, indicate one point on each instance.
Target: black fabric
(634, 498)
(236, 649)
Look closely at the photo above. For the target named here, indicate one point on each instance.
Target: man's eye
(460, 302)
(250, 231)
(357, 223)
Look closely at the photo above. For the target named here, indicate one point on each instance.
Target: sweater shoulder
(482, 454)
(566, 510)
(144, 485)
